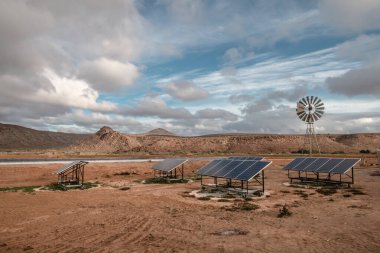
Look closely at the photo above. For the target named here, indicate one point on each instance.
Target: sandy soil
(163, 218)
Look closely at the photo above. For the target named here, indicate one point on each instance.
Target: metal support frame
(311, 139)
(170, 174)
(72, 176)
(244, 186)
(328, 179)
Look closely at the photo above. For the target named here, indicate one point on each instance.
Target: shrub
(122, 173)
(161, 180)
(242, 206)
(22, 188)
(326, 191)
(204, 198)
(284, 211)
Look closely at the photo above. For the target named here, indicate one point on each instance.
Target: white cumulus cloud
(107, 74)
(185, 90)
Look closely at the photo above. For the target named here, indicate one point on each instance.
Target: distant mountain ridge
(108, 140)
(14, 137)
(160, 131)
(161, 141)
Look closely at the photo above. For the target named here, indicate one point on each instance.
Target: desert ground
(124, 215)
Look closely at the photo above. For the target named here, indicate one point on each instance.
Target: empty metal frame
(71, 174)
(169, 167)
(316, 165)
(243, 170)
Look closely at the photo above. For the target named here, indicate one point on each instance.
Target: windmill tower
(310, 109)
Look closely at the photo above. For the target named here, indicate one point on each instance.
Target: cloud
(185, 91)
(91, 122)
(362, 48)
(232, 54)
(71, 93)
(267, 101)
(156, 107)
(351, 16)
(107, 75)
(209, 113)
(363, 81)
(228, 71)
(241, 98)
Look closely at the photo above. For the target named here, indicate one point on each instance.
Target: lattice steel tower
(310, 109)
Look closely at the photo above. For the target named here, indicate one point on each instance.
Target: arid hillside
(107, 140)
(13, 137)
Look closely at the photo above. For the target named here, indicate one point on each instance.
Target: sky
(189, 66)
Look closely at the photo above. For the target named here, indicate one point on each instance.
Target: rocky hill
(108, 140)
(160, 131)
(160, 141)
(13, 137)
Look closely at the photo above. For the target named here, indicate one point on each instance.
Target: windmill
(310, 109)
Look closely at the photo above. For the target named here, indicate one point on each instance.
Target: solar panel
(344, 166)
(255, 158)
(316, 164)
(210, 165)
(168, 165)
(378, 157)
(245, 158)
(252, 171)
(328, 166)
(69, 166)
(219, 166)
(239, 169)
(305, 163)
(229, 167)
(294, 163)
(322, 164)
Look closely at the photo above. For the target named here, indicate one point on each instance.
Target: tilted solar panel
(229, 167)
(218, 167)
(255, 158)
(294, 163)
(345, 165)
(316, 164)
(252, 171)
(329, 165)
(305, 163)
(245, 158)
(210, 165)
(69, 166)
(168, 165)
(239, 169)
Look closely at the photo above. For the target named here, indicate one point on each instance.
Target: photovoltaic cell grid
(168, 165)
(245, 158)
(69, 166)
(323, 165)
(233, 169)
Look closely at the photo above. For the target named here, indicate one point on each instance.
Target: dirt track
(162, 218)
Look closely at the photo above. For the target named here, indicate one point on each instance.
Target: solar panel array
(170, 164)
(245, 158)
(243, 170)
(322, 165)
(69, 166)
